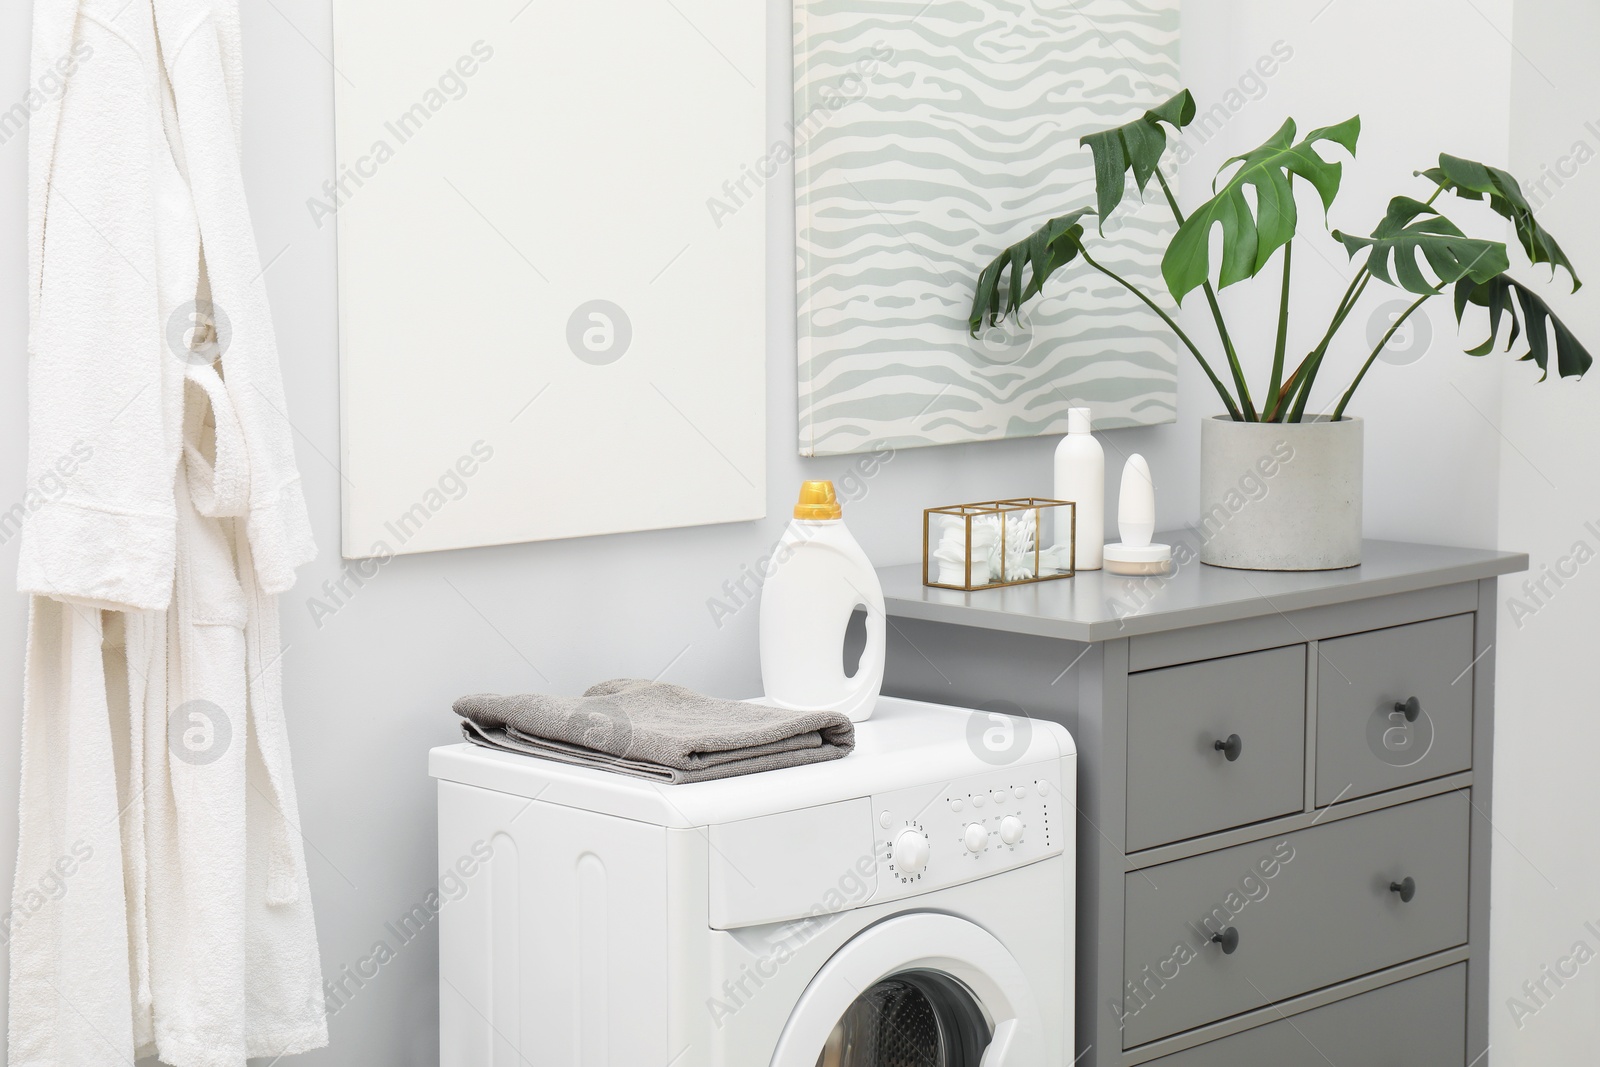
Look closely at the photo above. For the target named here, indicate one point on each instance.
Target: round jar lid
(1151, 553)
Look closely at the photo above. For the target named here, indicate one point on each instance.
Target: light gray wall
(1547, 867)
(368, 691)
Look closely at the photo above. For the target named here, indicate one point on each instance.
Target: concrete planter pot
(1280, 496)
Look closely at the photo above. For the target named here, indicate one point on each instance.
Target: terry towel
(655, 730)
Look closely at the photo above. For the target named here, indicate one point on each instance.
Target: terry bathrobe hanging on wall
(161, 903)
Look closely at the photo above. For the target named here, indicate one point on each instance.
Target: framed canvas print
(929, 135)
(525, 245)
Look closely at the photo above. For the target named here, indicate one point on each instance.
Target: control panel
(931, 837)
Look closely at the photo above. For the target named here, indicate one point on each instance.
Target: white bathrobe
(161, 903)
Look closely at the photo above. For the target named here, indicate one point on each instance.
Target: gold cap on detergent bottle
(817, 501)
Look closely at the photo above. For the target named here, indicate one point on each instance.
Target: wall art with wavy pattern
(929, 135)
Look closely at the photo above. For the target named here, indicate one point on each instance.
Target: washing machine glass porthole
(913, 1019)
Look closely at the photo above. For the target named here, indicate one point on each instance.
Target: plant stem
(1172, 201)
(1306, 373)
(1348, 393)
(1233, 356)
(1351, 294)
(1227, 400)
(1216, 316)
(1346, 306)
(1276, 385)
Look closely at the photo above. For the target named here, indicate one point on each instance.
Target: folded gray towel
(655, 730)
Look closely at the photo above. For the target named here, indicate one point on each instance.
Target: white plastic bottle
(819, 577)
(1081, 478)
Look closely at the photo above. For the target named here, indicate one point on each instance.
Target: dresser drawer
(1420, 1022)
(1365, 742)
(1179, 784)
(1309, 909)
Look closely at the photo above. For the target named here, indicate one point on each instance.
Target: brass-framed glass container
(996, 543)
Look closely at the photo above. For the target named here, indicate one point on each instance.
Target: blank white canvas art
(930, 135)
(546, 330)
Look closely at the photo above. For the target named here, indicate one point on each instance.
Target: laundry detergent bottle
(818, 577)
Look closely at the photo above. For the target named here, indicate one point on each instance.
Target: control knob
(1011, 829)
(911, 852)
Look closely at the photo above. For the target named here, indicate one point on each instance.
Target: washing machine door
(921, 990)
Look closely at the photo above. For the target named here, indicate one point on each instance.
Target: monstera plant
(1253, 203)
(1309, 516)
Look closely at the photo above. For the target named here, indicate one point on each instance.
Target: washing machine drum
(915, 1019)
(917, 990)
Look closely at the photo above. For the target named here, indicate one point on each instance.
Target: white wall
(368, 691)
(1547, 863)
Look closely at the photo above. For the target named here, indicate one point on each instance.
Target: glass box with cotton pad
(1136, 554)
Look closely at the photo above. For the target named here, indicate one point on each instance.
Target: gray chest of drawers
(1284, 795)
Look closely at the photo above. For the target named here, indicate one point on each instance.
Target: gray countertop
(1095, 606)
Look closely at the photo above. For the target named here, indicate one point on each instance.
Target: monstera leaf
(1046, 250)
(1248, 240)
(1137, 145)
(1496, 294)
(1411, 228)
(1471, 180)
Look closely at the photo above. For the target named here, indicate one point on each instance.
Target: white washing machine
(909, 905)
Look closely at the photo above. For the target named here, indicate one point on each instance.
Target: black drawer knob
(1230, 748)
(1410, 707)
(1228, 939)
(1407, 888)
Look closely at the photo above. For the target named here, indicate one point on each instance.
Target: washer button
(886, 820)
(977, 800)
(956, 805)
(1044, 788)
(1019, 792)
(999, 796)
